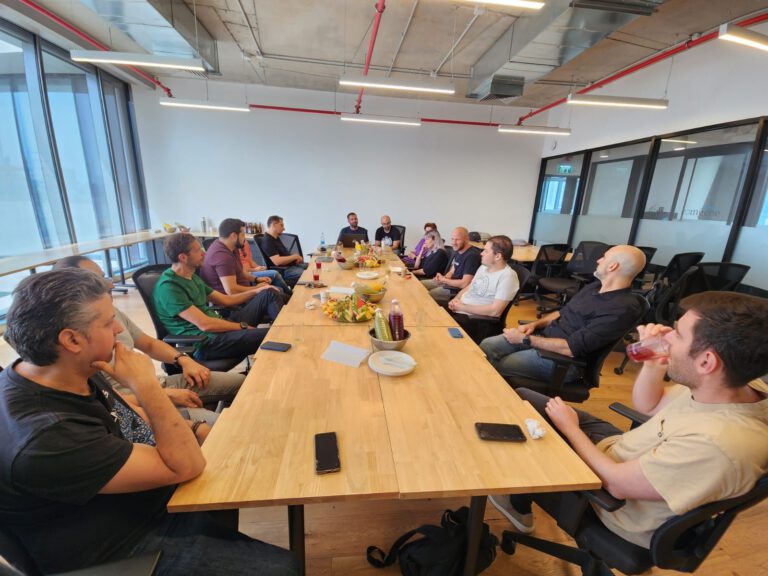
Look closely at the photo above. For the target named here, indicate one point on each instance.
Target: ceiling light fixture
(203, 104)
(432, 87)
(529, 4)
(640, 7)
(519, 129)
(380, 119)
(679, 148)
(678, 141)
(741, 35)
(618, 101)
(130, 59)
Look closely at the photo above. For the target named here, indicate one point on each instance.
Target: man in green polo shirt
(181, 301)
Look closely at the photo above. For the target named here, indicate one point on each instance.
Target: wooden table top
(407, 437)
(418, 307)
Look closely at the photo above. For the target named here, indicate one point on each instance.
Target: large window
(611, 193)
(753, 236)
(30, 203)
(694, 192)
(558, 194)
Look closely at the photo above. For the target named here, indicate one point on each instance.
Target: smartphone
(500, 432)
(276, 346)
(455, 333)
(326, 453)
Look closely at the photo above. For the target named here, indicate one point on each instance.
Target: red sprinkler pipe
(287, 109)
(374, 31)
(687, 45)
(83, 36)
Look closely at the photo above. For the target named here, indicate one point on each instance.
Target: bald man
(598, 314)
(386, 235)
(464, 263)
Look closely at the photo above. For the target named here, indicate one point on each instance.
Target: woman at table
(413, 259)
(435, 257)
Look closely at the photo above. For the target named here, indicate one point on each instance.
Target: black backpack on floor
(440, 551)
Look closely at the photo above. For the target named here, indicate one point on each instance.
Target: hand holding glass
(648, 349)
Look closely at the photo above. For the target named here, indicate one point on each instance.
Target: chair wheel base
(508, 545)
(618, 371)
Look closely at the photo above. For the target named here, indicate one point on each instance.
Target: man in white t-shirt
(493, 286)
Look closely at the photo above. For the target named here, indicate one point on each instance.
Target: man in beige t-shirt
(705, 440)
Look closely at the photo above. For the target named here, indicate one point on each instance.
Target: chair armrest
(183, 340)
(483, 318)
(561, 358)
(521, 322)
(604, 499)
(629, 413)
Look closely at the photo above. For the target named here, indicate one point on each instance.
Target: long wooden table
(406, 437)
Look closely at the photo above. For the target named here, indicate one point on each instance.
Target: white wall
(711, 83)
(313, 169)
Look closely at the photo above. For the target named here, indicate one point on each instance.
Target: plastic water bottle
(396, 323)
(322, 242)
(203, 225)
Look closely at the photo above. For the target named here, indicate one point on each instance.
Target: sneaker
(523, 522)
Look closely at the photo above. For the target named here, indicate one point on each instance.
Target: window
(81, 141)
(31, 206)
(558, 193)
(694, 192)
(753, 236)
(613, 184)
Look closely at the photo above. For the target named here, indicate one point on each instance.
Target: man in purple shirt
(223, 271)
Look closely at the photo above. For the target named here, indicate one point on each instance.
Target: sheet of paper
(341, 290)
(345, 354)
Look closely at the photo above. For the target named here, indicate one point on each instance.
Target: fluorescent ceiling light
(130, 59)
(203, 104)
(679, 148)
(741, 35)
(432, 87)
(517, 129)
(605, 155)
(618, 101)
(381, 119)
(529, 4)
(678, 141)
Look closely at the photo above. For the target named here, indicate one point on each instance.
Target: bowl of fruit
(346, 263)
(350, 309)
(373, 292)
(368, 261)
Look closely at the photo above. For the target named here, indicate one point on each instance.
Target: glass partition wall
(696, 191)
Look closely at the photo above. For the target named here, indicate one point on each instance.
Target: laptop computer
(348, 240)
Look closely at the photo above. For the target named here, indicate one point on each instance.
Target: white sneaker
(523, 522)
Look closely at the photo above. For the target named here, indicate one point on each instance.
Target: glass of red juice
(648, 349)
(316, 275)
(318, 264)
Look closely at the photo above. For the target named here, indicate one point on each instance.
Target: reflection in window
(694, 192)
(30, 202)
(558, 194)
(81, 141)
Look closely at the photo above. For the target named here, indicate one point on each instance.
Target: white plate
(391, 363)
(367, 275)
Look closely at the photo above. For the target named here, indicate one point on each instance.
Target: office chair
(145, 279)
(677, 266)
(549, 261)
(207, 243)
(682, 543)
(291, 243)
(481, 327)
(579, 273)
(589, 368)
(261, 256)
(725, 276)
(650, 252)
(401, 229)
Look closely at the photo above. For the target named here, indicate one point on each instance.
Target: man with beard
(597, 315)
(705, 440)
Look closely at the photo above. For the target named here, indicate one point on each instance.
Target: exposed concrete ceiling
(311, 43)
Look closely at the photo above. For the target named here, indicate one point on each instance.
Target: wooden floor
(337, 535)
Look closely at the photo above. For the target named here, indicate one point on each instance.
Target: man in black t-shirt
(74, 490)
(597, 315)
(278, 254)
(387, 235)
(464, 263)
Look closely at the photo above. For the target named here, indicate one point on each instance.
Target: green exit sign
(564, 169)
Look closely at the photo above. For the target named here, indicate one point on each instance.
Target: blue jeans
(512, 360)
(293, 273)
(195, 544)
(276, 277)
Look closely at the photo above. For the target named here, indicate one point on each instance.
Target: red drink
(318, 264)
(648, 349)
(396, 323)
(316, 275)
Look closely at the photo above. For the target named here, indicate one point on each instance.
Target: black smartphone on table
(276, 346)
(326, 453)
(455, 333)
(499, 432)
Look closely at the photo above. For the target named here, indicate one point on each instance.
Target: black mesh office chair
(724, 276)
(207, 243)
(145, 279)
(481, 327)
(578, 273)
(401, 229)
(682, 543)
(589, 367)
(292, 243)
(262, 255)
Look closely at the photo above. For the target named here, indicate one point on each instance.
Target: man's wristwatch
(179, 356)
(526, 341)
(244, 325)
